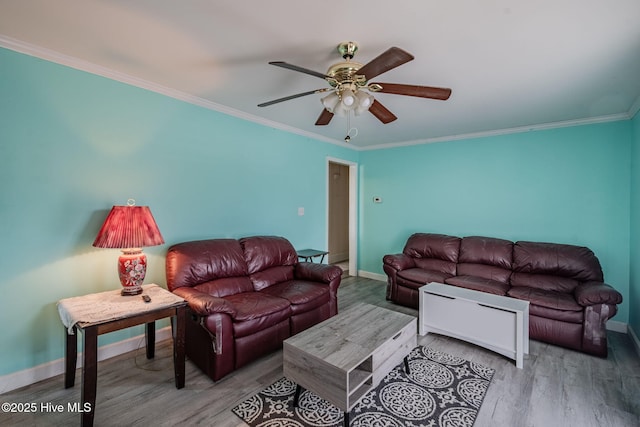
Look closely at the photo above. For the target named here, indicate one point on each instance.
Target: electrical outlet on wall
(300, 211)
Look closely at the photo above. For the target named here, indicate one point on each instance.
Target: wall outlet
(377, 199)
(300, 211)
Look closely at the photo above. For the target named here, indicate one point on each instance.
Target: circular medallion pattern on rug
(430, 374)
(316, 411)
(250, 409)
(280, 388)
(472, 390)
(457, 417)
(407, 401)
(440, 357)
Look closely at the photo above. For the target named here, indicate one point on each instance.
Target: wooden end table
(99, 313)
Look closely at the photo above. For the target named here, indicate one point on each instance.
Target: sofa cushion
(263, 252)
(256, 311)
(226, 286)
(573, 262)
(485, 257)
(485, 271)
(270, 276)
(545, 282)
(302, 295)
(545, 298)
(417, 277)
(479, 284)
(561, 315)
(443, 250)
(487, 251)
(192, 263)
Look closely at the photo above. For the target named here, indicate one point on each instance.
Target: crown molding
(506, 131)
(634, 108)
(89, 67)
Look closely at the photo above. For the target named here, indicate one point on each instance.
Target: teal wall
(567, 185)
(73, 144)
(634, 285)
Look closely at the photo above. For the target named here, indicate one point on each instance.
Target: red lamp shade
(130, 228)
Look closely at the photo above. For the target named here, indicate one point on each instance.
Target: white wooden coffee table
(496, 322)
(344, 357)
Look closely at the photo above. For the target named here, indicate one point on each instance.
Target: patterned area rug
(441, 390)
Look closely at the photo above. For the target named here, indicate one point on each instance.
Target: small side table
(103, 312)
(308, 254)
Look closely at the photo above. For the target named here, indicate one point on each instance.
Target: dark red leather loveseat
(569, 301)
(246, 296)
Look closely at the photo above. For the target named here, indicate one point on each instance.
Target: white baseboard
(374, 276)
(56, 367)
(615, 326)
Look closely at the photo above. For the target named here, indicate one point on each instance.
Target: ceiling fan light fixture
(330, 101)
(340, 110)
(348, 99)
(364, 102)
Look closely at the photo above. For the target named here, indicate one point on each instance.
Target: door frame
(353, 211)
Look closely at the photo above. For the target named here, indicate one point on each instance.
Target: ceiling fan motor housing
(348, 49)
(344, 73)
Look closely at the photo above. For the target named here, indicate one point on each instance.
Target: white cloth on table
(111, 305)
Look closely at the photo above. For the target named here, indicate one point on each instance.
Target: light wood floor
(557, 387)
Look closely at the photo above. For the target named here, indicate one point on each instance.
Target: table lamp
(130, 228)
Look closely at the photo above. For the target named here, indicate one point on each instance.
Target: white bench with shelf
(495, 322)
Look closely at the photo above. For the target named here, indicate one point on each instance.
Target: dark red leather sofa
(246, 296)
(569, 301)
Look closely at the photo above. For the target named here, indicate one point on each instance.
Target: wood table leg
(178, 346)
(150, 335)
(70, 357)
(296, 397)
(89, 374)
(407, 369)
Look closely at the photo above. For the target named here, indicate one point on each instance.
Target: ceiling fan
(350, 85)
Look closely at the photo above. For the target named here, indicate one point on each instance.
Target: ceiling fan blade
(419, 91)
(299, 69)
(388, 60)
(381, 112)
(325, 118)
(297, 95)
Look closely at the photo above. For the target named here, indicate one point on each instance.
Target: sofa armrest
(317, 272)
(203, 303)
(592, 293)
(398, 262)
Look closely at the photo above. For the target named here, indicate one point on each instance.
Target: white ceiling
(512, 64)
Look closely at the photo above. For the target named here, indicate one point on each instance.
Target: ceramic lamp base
(131, 290)
(132, 267)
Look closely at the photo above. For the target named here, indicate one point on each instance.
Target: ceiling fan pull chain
(348, 138)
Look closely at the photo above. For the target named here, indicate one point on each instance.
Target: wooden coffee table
(344, 357)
